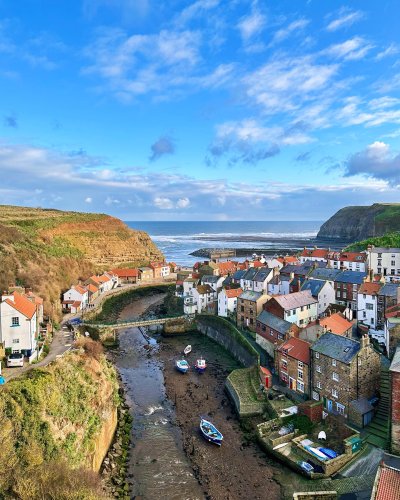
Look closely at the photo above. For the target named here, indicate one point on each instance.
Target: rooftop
(250, 295)
(387, 483)
(370, 288)
(326, 274)
(336, 323)
(295, 300)
(336, 347)
(354, 277)
(272, 321)
(297, 349)
(315, 286)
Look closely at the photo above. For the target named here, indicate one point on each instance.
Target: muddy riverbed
(169, 459)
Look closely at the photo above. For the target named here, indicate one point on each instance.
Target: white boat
(187, 350)
(182, 365)
(210, 432)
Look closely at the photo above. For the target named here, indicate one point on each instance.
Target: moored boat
(210, 432)
(187, 350)
(200, 365)
(182, 365)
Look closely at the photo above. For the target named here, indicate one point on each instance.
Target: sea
(177, 240)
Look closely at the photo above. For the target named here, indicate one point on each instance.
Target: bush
(92, 348)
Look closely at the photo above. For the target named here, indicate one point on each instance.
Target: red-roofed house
(226, 268)
(227, 301)
(353, 261)
(127, 275)
(367, 304)
(387, 483)
(75, 299)
(18, 325)
(292, 363)
(337, 323)
(314, 254)
(38, 301)
(160, 269)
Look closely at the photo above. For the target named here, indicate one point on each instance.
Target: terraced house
(299, 307)
(249, 306)
(272, 331)
(292, 363)
(347, 284)
(344, 373)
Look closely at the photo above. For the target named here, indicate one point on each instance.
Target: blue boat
(182, 365)
(328, 452)
(210, 432)
(306, 466)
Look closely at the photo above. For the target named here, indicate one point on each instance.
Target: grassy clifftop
(48, 250)
(390, 240)
(54, 419)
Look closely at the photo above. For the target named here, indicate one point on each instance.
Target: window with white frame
(319, 385)
(300, 386)
(15, 341)
(315, 396)
(300, 374)
(333, 362)
(335, 393)
(318, 368)
(317, 355)
(335, 376)
(300, 364)
(15, 321)
(340, 408)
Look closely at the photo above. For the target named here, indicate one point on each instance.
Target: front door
(292, 383)
(329, 405)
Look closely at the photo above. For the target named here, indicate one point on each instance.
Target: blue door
(329, 405)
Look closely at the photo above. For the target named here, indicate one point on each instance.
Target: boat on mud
(200, 365)
(182, 365)
(210, 432)
(187, 350)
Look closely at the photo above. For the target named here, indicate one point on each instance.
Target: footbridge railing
(131, 323)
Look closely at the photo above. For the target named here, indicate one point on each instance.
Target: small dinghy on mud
(210, 432)
(187, 350)
(182, 365)
(200, 365)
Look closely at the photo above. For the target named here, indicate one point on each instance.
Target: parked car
(15, 359)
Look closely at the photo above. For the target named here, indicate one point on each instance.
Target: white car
(15, 359)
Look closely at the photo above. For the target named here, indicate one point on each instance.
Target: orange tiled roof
(257, 263)
(290, 259)
(387, 483)
(38, 300)
(226, 267)
(297, 349)
(336, 323)
(370, 288)
(233, 292)
(125, 273)
(96, 279)
(321, 253)
(80, 289)
(92, 288)
(103, 278)
(77, 303)
(22, 304)
(348, 256)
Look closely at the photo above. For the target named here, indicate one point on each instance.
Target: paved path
(62, 339)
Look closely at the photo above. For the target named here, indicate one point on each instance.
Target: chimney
(364, 341)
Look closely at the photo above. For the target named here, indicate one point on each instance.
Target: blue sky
(202, 110)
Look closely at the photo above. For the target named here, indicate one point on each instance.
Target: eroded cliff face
(49, 250)
(357, 223)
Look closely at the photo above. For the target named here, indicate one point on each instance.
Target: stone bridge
(132, 323)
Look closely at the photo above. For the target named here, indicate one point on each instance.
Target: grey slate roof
(272, 321)
(336, 347)
(325, 274)
(294, 300)
(395, 365)
(250, 273)
(361, 405)
(389, 290)
(263, 273)
(209, 278)
(239, 274)
(315, 286)
(385, 250)
(355, 277)
(250, 295)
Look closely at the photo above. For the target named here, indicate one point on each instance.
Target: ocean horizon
(177, 239)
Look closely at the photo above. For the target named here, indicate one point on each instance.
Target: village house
(188, 284)
(344, 371)
(249, 306)
(127, 275)
(18, 324)
(387, 483)
(392, 329)
(237, 276)
(227, 302)
(272, 331)
(208, 267)
(38, 301)
(288, 260)
(387, 297)
(314, 254)
(160, 269)
(322, 291)
(351, 261)
(299, 307)
(334, 323)
(292, 364)
(367, 304)
(385, 261)
(274, 263)
(215, 282)
(201, 298)
(347, 284)
(93, 292)
(257, 279)
(75, 299)
(226, 268)
(145, 273)
(279, 285)
(324, 274)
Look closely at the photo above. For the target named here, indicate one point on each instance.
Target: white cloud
(163, 203)
(183, 203)
(350, 50)
(344, 19)
(391, 50)
(88, 199)
(251, 25)
(293, 27)
(376, 160)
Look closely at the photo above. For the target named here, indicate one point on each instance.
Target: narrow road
(62, 339)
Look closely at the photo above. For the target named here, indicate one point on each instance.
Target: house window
(369, 307)
(315, 395)
(300, 374)
(284, 364)
(317, 355)
(271, 332)
(335, 393)
(333, 362)
(340, 408)
(319, 385)
(300, 386)
(301, 308)
(15, 321)
(300, 364)
(318, 368)
(15, 341)
(379, 270)
(335, 376)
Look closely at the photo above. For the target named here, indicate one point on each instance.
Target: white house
(351, 261)
(385, 261)
(188, 285)
(367, 304)
(300, 307)
(227, 301)
(18, 325)
(314, 254)
(165, 270)
(321, 290)
(215, 282)
(279, 285)
(256, 279)
(201, 298)
(75, 299)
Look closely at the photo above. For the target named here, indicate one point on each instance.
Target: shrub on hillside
(91, 347)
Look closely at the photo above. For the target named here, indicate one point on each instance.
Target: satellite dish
(322, 435)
